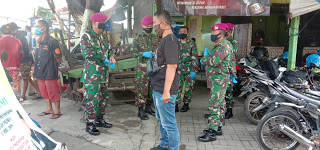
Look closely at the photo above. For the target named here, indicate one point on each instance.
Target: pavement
(130, 133)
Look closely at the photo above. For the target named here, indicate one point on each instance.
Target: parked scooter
(249, 85)
(294, 121)
(260, 95)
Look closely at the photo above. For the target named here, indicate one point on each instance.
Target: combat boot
(91, 129)
(100, 122)
(208, 136)
(228, 113)
(142, 115)
(177, 108)
(149, 110)
(185, 107)
(218, 132)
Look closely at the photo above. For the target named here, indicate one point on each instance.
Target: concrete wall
(274, 28)
(203, 26)
(141, 8)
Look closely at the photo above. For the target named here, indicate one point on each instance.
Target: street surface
(130, 133)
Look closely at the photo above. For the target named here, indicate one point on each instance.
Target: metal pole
(293, 42)
(154, 10)
(69, 37)
(129, 20)
(123, 39)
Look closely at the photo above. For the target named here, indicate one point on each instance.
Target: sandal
(44, 114)
(24, 98)
(57, 116)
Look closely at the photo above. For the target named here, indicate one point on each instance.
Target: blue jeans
(165, 113)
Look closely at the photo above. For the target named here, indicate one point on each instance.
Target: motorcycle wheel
(252, 102)
(270, 137)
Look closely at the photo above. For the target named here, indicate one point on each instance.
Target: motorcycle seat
(301, 96)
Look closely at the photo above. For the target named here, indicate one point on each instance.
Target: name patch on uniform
(57, 51)
(45, 47)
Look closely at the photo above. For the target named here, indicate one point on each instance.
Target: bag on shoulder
(152, 66)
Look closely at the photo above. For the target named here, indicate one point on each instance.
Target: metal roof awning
(301, 7)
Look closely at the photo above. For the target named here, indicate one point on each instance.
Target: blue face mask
(38, 31)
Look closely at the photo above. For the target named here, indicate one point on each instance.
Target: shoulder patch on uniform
(57, 51)
(88, 35)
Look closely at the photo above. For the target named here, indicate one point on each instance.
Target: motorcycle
(294, 121)
(260, 103)
(249, 85)
(260, 96)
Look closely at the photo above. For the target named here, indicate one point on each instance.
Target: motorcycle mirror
(282, 69)
(4, 55)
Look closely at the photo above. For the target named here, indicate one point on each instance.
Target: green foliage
(44, 13)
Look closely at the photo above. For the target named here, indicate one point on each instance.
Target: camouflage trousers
(143, 88)
(217, 105)
(96, 96)
(229, 96)
(185, 78)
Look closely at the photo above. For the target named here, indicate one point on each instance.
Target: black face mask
(215, 37)
(101, 26)
(258, 43)
(182, 36)
(148, 30)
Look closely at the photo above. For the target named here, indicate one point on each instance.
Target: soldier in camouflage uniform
(95, 73)
(217, 63)
(229, 93)
(143, 47)
(187, 69)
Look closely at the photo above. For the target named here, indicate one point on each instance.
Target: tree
(61, 23)
(81, 10)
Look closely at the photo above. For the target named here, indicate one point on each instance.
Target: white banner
(17, 130)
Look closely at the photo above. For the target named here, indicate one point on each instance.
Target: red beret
(219, 26)
(259, 39)
(146, 20)
(99, 17)
(230, 26)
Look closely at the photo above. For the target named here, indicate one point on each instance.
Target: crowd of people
(177, 64)
(177, 67)
(44, 59)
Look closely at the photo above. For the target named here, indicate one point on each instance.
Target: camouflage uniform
(188, 63)
(95, 74)
(218, 72)
(143, 43)
(229, 92)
